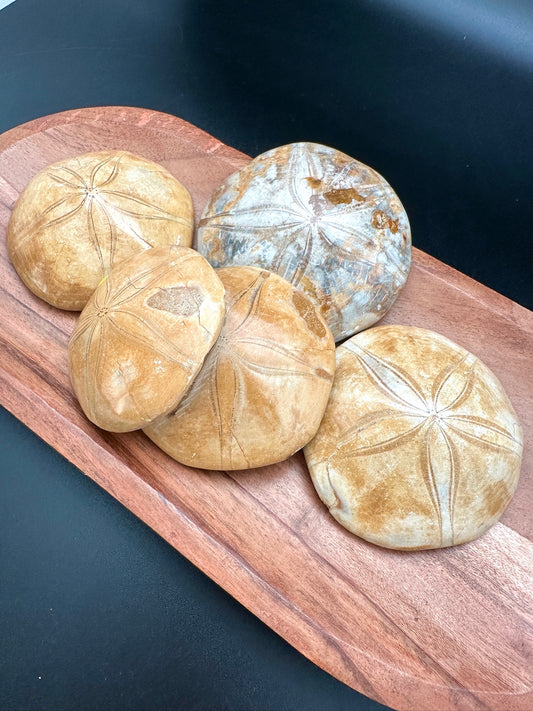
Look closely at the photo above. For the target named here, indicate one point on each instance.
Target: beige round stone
(419, 446)
(143, 336)
(263, 388)
(327, 223)
(78, 218)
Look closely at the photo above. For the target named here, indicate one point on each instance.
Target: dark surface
(96, 611)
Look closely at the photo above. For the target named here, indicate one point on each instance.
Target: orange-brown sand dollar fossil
(420, 446)
(79, 217)
(143, 335)
(263, 387)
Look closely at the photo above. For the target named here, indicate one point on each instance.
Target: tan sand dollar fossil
(263, 387)
(79, 217)
(327, 223)
(420, 446)
(143, 336)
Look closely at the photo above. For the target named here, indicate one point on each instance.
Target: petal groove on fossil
(78, 218)
(325, 222)
(419, 441)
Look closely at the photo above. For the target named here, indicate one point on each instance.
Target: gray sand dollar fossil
(327, 223)
(79, 217)
(419, 446)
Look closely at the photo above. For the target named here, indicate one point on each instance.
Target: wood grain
(442, 630)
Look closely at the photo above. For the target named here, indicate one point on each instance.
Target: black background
(96, 611)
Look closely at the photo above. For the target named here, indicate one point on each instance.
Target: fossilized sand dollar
(78, 218)
(327, 223)
(419, 446)
(143, 336)
(263, 388)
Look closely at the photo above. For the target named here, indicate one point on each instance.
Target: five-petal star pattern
(436, 422)
(247, 387)
(78, 217)
(328, 224)
(143, 335)
(110, 313)
(115, 207)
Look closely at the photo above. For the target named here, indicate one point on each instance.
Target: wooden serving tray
(447, 629)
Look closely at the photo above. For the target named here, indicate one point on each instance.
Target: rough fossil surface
(419, 446)
(78, 218)
(327, 223)
(263, 388)
(143, 336)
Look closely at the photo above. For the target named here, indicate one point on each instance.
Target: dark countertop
(97, 611)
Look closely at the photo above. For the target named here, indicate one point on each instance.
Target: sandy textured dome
(420, 446)
(324, 221)
(143, 336)
(263, 388)
(79, 217)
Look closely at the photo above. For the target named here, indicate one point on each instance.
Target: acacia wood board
(445, 629)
